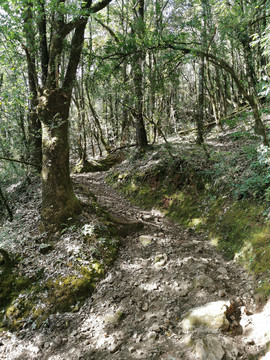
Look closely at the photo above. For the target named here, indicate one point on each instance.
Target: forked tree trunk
(58, 199)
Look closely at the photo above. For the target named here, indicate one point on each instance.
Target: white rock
(152, 335)
(221, 293)
(147, 217)
(230, 348)
(155, 327)
(145, 240)
(212, 316)
(114, 347)
(113, 318)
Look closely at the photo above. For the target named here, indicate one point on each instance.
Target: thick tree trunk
(58, 200)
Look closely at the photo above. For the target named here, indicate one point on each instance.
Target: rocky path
(170, 296)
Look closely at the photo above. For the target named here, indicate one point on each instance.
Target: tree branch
(99, 6)
(111, 32)
(20, 161)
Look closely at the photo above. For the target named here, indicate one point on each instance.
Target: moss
(22, 299)
(11, 285)
(65, 292)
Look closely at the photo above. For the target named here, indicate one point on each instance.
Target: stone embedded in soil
(145, 240)
(211, 316)
(222, 270)
(209, 348)
(203, 281)
(221, 293)
(114, 318)
(147, 217)
(160, 260)
(145, 306)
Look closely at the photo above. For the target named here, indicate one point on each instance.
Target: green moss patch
(13, 288)
(31, 301)
(66, 292)
(23, 300)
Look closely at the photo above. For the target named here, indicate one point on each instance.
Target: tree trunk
(58, 200)
(35, 151)
(5, 203)
(138, 113)
(138, 78)
(200, 117)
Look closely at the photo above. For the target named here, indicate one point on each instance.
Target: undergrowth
(225, 196)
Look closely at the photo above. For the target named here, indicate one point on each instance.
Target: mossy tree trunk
(58, 200)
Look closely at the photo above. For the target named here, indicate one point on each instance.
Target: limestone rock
(230, 348)
(145, 240)
(211, 315)
(209, 348)
(160, 260)
(114, 318)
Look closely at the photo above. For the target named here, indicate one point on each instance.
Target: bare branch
(19, 161)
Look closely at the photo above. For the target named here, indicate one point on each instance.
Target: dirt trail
(137, 309)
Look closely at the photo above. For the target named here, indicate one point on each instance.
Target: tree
(58, 200)
(51, 85)
(138, 61)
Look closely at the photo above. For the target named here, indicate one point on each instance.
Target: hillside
(182, 273)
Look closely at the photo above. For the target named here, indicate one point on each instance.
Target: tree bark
(5, 203)
(138, 61)
(59, 203)
(35, 151)
(58, 200)
(7, 259)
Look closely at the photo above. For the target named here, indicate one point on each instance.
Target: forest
(134, 179)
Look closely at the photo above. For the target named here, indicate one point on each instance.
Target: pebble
(114, 347)
(152, 335)
(145, 306)
(222, 270)
(155, 327)
(221, 293)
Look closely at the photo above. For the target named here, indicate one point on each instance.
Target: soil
(137, 309)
